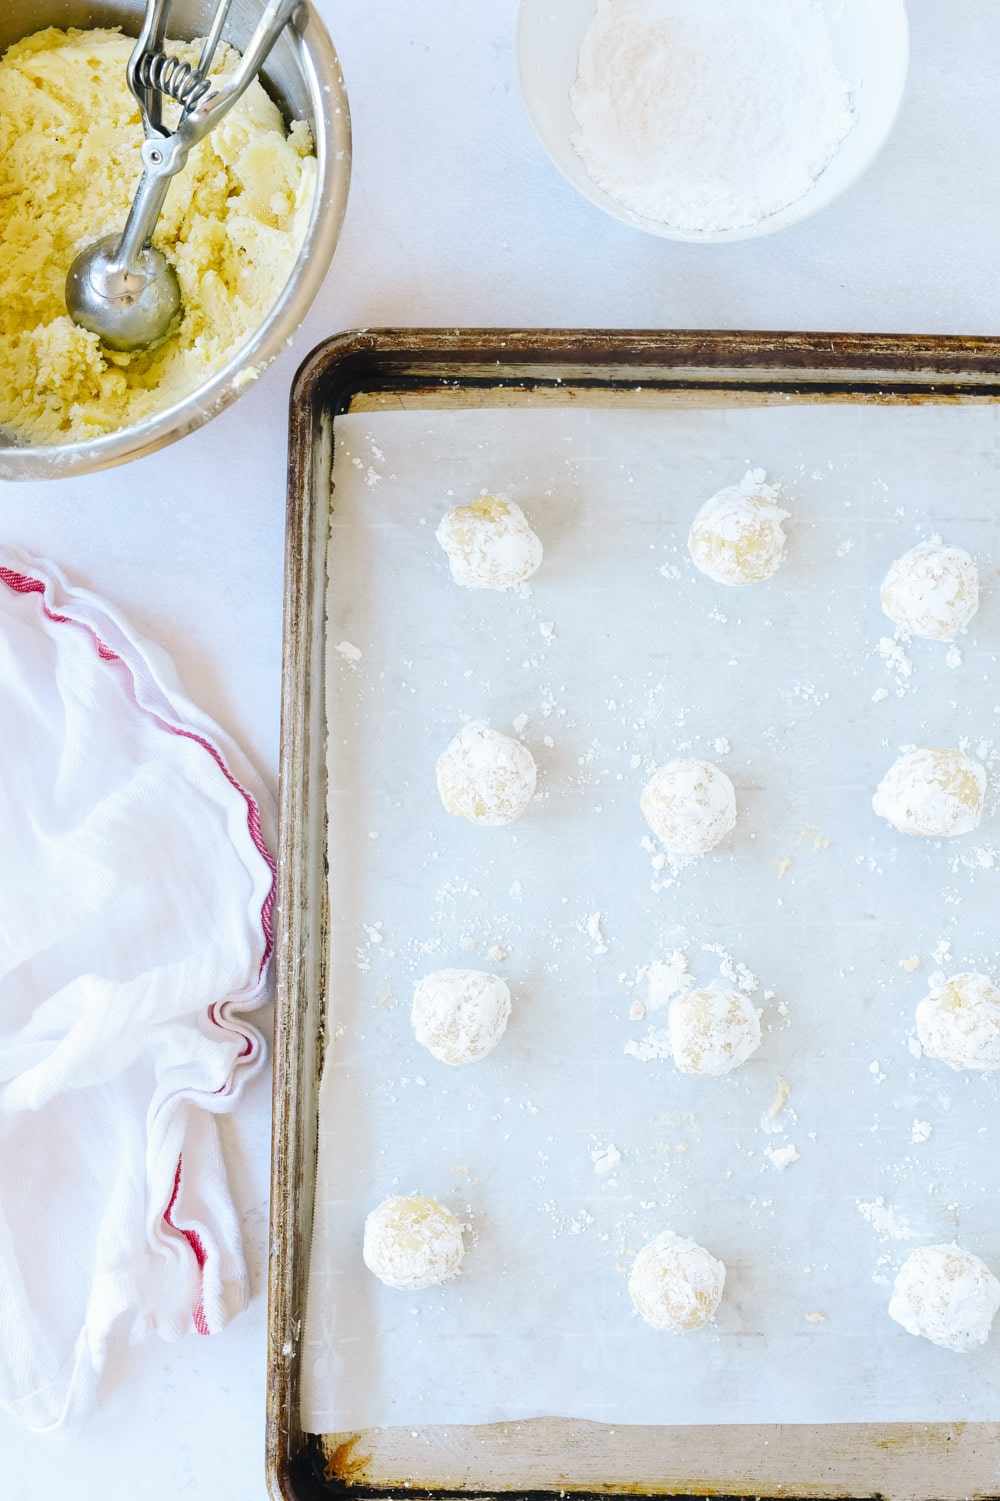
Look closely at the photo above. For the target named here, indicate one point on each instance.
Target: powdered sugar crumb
(887, 1223)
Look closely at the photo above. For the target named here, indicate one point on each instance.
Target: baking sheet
(647, 659)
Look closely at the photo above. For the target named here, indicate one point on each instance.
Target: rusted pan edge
(898, 1461)
(901, 1461)
(400, 360)
(301, 931)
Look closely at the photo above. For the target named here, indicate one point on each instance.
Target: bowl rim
(784, 218)
(325, 83)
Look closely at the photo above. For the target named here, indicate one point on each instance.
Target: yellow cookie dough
(234, 219)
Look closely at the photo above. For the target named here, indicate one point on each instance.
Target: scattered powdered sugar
(667, 977)
(348, 653)
(708, 114)
(605, 1159)
(655, 1045)
(595, 934)
(501, 896)
(890, 649)
(887, 1223)
(733, 970)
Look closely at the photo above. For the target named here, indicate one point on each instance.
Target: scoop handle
(164, 155)
(150, 40)
(205, 116)
(147, 205)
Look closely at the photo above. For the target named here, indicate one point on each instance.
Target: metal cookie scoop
(120, 287)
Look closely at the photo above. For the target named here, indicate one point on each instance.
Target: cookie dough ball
(947, 1295)
(932, 591)
(412, 1243)
(712, 1031)
(460, 1015)
(486, 777)
(690, 806)
(489, 544)
(676, 1284)
(736, 537)
(960, 1023)
(934, 792)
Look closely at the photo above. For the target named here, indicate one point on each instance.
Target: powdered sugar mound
(489, 543)
(938, 793)
(932, 591)
(959, 1023)
(690, 806)
(708, 114)
(676, 1284)
(412, 1243)
(459, 1015)
(712, 1031)
(486, 777)
(737, 538)
(947, 1295)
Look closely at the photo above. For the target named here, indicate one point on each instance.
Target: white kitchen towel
(136, 897)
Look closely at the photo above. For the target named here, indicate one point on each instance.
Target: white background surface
(455, 217)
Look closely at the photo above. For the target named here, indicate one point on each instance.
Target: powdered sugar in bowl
(712, 120)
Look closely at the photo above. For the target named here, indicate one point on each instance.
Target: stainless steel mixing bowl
(303, 76)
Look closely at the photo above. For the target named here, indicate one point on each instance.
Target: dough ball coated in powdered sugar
(412, 1243)
(676, 1284)
(932, 591)
(460, 1015)
(712, 1031)
(947, 1295)
(690, 806)
(938, 793)
(959, 1023)
(736, 537)
(489, 543)
(486, 777)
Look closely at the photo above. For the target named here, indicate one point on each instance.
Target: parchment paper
(782, 686)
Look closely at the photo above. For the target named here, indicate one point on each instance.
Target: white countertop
(457, 218)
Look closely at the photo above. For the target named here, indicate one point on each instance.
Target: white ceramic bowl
(871, 43)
